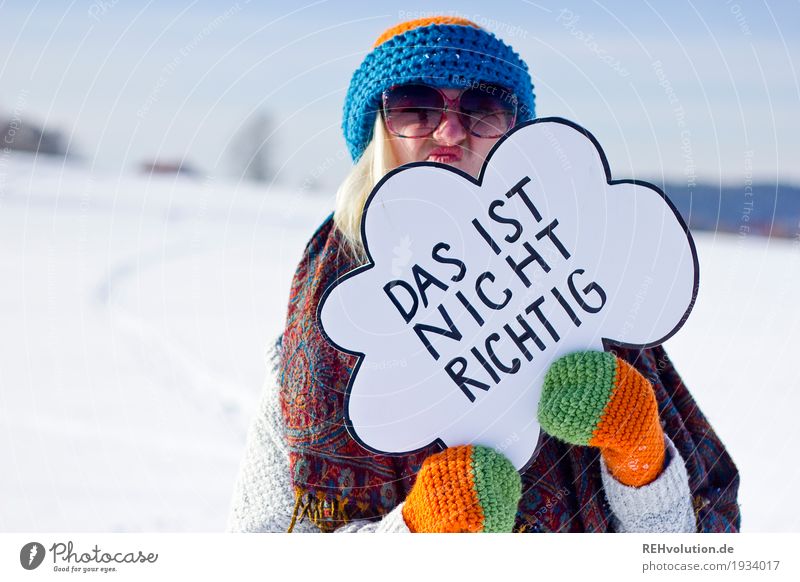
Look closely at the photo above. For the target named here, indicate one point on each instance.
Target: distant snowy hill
(136, 313)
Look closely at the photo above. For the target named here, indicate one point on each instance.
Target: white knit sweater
(263, 497)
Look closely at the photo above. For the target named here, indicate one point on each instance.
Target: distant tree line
(16, 134)
(758, 209)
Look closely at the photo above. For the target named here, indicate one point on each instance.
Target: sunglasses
(415, 111)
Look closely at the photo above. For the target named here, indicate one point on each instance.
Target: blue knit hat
(442, 52)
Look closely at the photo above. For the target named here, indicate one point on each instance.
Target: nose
(450, 130)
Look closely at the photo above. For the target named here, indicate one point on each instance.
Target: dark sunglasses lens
(488, 111)
(412, 110)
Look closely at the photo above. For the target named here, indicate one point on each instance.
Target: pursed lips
(446, 155)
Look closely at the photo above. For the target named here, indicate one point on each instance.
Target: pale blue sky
(132, 81)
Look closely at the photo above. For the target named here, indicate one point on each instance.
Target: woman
(624, 446)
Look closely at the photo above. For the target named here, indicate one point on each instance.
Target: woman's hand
(464, 489)
(597, 399)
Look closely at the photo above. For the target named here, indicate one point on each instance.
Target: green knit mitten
(597, 399)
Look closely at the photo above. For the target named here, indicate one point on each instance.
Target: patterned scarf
(337, 481)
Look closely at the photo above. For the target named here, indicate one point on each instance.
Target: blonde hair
(352, 194)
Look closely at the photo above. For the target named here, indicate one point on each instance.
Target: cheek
(478, 150)
(406, 150)
(482, 147)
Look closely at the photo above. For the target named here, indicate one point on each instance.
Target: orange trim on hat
(420, 22)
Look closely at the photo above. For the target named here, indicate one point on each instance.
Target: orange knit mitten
(464, 489)
(597, 399)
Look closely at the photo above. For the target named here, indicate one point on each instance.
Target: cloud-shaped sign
(474, 287)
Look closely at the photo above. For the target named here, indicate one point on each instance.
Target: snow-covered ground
(135, 316)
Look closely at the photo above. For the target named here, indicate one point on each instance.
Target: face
(450, 144)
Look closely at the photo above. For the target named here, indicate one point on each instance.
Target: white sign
(475, 287)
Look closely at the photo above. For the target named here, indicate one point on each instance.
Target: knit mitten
(597, 399)
(464, 489)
